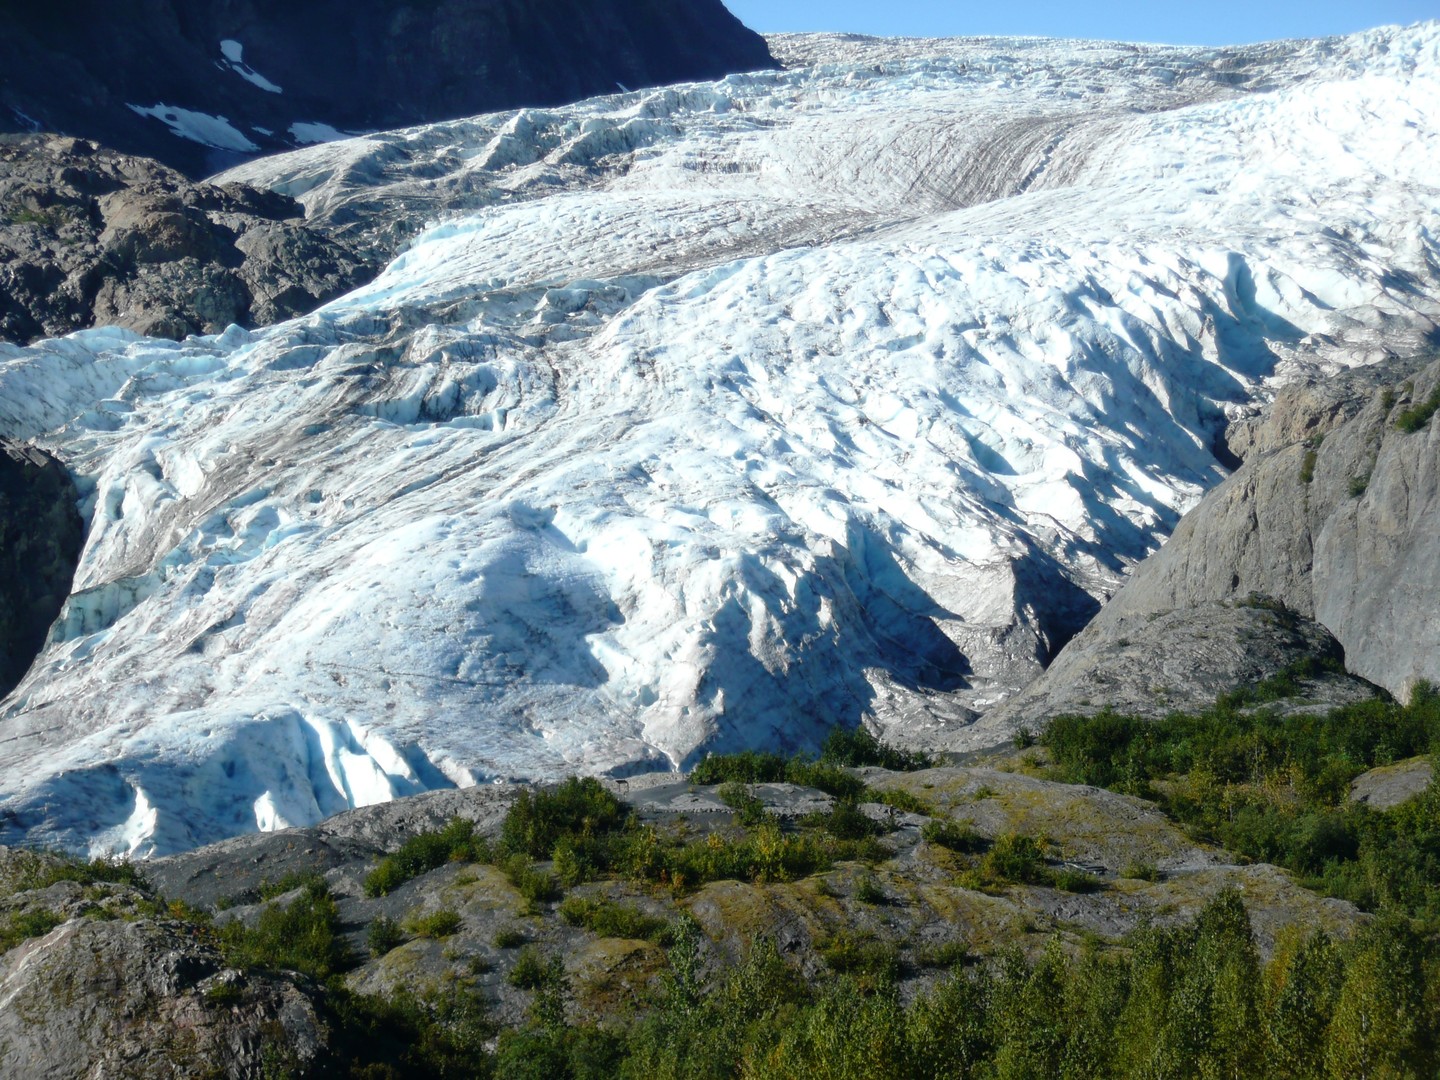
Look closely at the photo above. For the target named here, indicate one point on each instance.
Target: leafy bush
(955, 835)
(424, 852)
(383, 935)
(579, 809)
(1140, 871)
(508, 937)
(438, 924)
(535, 885)
(856, 748)
(296, 879)
(749, 810)
(1076, 881)
(22, 926)
(868, 889)
(1417, 416)
(529, 970)
(900, 799)
(300, 936)
(1015, 859)
(1274, 788)
(747, 767)
(610, 919)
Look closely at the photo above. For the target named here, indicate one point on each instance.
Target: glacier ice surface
(702, 418)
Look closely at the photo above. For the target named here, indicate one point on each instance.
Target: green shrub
(610, 919)
(868, 889)
(1140, 871)
(955, 835)
(747, 767)
(1076, 881)
(749, 810)
(300, 936)
(1307, 466)
(508, 937)
(858, 953)
(383, 935)
(900, 799)
(424, 852)
(945, 954)
(855, 748)
(22, 926)
(529, 970)
(846, 822)
(534, 884)
(1417, 416)
(1015, 859)
(831, 779)
(578, 808)
(438, 924)
(296, 879)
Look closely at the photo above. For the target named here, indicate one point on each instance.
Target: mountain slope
(198, 84)
(708, 418)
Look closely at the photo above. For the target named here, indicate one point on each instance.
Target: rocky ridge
(91, 237)
(1320, 544)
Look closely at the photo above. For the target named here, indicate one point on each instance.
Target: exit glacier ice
(702, 418)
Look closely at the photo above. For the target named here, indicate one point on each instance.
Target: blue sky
(1215, 22)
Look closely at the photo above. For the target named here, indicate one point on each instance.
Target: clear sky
(1212, 22)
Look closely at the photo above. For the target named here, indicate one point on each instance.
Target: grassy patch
(1418, 415)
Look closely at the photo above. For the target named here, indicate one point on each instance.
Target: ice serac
(197, 84)
(702, 418)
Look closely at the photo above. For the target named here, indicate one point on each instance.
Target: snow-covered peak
(705, 417)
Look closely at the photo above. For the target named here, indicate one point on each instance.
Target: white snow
(234, 54)
(708, 417)
(307, 133)
(198, 127)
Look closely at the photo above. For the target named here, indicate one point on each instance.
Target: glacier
(702, 418)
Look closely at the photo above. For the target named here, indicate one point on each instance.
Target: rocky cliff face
(40, 538)
(117, 987)
(1334, 517)
(200, 85)
(89, 236)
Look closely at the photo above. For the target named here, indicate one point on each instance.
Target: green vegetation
(1274, 789)
(843, 749)
(437, 924)
(21, 926)
(957, 836)
(1188, 1000)
(509, 938)
(269, 890)
(383, 935)
(424, 852)
(1307, 466)
(300, 936)
(749, 811)
(41, 869)
(610, 919)
(1418, 415)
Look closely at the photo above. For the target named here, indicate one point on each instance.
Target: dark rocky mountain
(201, 85)
(89, 236)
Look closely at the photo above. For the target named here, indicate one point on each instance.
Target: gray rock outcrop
(115, 989)
(93, 237)
(1334, 518)
(41, 534)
